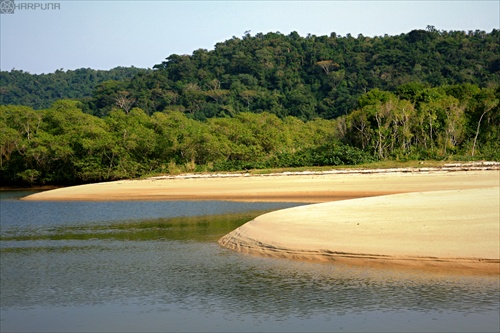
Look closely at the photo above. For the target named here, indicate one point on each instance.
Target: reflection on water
(198, 228)
(168, 274)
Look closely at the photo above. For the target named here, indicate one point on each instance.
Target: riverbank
(433, 219)
(309, 187)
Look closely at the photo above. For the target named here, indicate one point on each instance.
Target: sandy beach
(292, 187)
(441, 220)
(454, 230)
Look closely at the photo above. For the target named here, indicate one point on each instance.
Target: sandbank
(305, 187)
(452, 231)
(443, 220)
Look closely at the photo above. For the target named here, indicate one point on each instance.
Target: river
(156, 266)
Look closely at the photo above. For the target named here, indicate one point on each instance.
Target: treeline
(63, 144)
(304, 77)
(285, 75)
(41, 90)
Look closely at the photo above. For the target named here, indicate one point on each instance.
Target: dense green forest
(62, 144)
(287, 75)
(262, 101)
(41, 90)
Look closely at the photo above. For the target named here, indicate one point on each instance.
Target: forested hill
(286, 75)
(41, 90)
(316, 75)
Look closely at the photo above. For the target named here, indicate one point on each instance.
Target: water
(156, 266)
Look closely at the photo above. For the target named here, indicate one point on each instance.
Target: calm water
(156, 266)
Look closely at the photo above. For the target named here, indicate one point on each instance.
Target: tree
(487, 105)
(327, 65)
(124, 101)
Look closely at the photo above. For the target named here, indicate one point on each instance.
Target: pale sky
(107, 34)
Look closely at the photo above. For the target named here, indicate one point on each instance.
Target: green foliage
(339, 154)
(286, 75)
(64, 145)
(29, 176)
(322, 76)
(41, 90)
(267, 101)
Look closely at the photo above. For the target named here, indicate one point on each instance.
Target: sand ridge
(304, 187)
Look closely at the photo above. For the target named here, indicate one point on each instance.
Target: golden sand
(434, 219)
(445, 230)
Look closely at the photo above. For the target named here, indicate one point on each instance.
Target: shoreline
(432, 196)
(306, 187)
(450, 167)
(446, 168)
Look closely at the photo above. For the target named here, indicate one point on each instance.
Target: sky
(72, 34)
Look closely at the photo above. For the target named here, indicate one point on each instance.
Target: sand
(439, 230)
(304, 187)
(440, 220)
